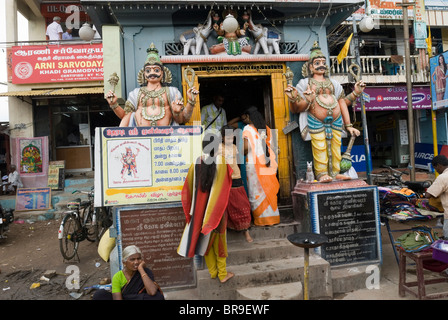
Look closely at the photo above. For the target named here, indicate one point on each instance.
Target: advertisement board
(57, 63)
(438, 66)
(142, 165)
(395, 98)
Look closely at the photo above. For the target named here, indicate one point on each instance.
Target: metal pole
(405, 6)
(306, 273)
(434, 134)
(363, 107)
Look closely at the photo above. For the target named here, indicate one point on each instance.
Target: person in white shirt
(439, 188)
(213, 116)
(54, 30)
(14, 181)
(67, 35)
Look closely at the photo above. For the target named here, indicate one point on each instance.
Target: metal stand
(306, 241)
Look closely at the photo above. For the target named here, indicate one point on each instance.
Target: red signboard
(57, 63)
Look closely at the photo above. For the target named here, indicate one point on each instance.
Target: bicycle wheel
(68, 230)
(90, 223)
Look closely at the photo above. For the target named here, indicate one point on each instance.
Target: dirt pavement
(33, 248)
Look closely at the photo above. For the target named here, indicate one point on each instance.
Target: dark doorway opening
(240, 93)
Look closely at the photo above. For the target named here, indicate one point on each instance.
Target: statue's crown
(153, 56)
(315, 52)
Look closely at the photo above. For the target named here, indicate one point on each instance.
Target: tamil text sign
(143, 164)
(57, 63)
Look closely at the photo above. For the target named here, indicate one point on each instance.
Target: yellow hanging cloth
(344, 50)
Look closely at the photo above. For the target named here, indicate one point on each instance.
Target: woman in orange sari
(261, 168)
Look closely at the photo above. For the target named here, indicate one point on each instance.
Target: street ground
(31, 250)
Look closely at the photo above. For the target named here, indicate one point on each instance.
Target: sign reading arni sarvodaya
(57, 63)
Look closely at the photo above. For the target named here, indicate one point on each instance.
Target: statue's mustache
(323, 68)
(152, 76)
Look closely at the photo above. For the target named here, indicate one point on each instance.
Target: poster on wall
(56, 175)
(33, 199)
(438, 68)
(141, 165)
(31, 158)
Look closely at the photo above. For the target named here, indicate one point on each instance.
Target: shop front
(387, 120)
(59, 94)
(70, 124)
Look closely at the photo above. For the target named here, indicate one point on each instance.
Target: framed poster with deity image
(141, 165)
(32, 156)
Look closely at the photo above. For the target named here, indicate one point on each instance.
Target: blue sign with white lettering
(423, 154)
(358, 155)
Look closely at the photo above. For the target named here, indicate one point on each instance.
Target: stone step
(278, 231)
(283, 291)
(272, 272)
(59, 198)
(347, 279)
(243, 252)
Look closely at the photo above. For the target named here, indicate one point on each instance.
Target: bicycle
(81, 222)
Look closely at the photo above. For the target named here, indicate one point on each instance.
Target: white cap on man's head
(57, 18)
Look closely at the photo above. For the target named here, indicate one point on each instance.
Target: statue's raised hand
(359, 87)
(192, 93)
(291, 92)
(310, 94)
(111, 98)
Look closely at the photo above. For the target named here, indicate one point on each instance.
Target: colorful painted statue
(195, 40)
(233, 40)
(323, 110)
(155, 103)
(265, 39)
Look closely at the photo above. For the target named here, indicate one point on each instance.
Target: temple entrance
(240, 93)
(245, 85)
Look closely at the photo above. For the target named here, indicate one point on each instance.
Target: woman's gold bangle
(114, 106)
(356, 94)
(348, 125)
(143, 275)
(192, 102)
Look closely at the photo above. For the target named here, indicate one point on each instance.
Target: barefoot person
(324, 106)
(205, 195)
(156, 103)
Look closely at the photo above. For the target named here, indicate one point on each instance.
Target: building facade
(126, 29)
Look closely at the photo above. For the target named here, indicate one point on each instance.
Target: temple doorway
(245, 85)
(240, 93)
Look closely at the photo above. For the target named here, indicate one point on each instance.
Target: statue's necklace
(145, 95)
(328, 106)
(321, 86)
